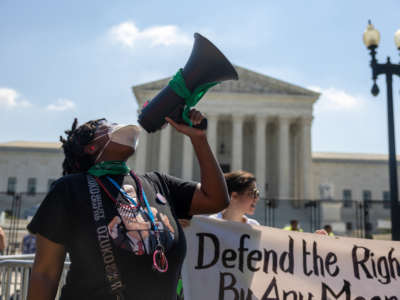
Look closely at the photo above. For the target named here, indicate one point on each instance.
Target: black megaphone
(206, 64)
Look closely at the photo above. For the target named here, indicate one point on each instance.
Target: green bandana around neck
(178, 85)
(113, 167)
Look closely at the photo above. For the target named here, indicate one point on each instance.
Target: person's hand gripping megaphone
(196, 117)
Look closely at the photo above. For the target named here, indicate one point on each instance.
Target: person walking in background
(29, 244)
(2, 241)
(328, 229)
(244, 196)
(294, 226)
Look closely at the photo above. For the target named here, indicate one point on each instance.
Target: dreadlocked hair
(76, 160)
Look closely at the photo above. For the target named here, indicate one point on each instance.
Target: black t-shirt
(66, 217)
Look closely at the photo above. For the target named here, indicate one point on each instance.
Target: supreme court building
(258, 124)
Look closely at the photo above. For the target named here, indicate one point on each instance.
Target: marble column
(283, 157)
(165, 149)
(305, 157)
(141, 151)
(260, 155)
(187, 164)
(237, 142)
(212, 132)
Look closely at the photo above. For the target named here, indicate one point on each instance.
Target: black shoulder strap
(113, 276)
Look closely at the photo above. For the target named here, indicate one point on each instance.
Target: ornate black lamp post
(371, 39)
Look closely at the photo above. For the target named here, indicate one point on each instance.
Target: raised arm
(211, 195)
(47, 269)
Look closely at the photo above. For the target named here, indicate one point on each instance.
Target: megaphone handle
(203, 124)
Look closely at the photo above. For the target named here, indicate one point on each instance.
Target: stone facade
(28, 168)
(24, 160)
(357, 173)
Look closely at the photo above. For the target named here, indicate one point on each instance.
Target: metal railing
(17, 207)
(14, 276)
(353, 218)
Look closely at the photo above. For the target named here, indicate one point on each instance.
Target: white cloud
(9, 99)
(332, 99)
(61, 105)
(129, 35)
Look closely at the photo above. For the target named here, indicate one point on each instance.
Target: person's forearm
(212, 180)
(2, 244)
(41, 287)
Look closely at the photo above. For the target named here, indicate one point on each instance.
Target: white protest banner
(227, 260)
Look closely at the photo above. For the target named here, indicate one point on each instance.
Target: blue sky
(66, 59)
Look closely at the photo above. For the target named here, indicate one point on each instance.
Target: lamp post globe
(397, 39)
(371, 36)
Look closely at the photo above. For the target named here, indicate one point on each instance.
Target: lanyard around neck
(121, 190)
(144, 199)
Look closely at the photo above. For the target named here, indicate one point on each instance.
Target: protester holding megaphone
(120, 228)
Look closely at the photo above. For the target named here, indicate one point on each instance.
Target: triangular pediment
(249, 82)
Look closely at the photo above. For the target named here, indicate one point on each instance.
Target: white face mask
(127, 135)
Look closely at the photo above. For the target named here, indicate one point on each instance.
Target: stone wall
(22, 163)
(356, 172)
